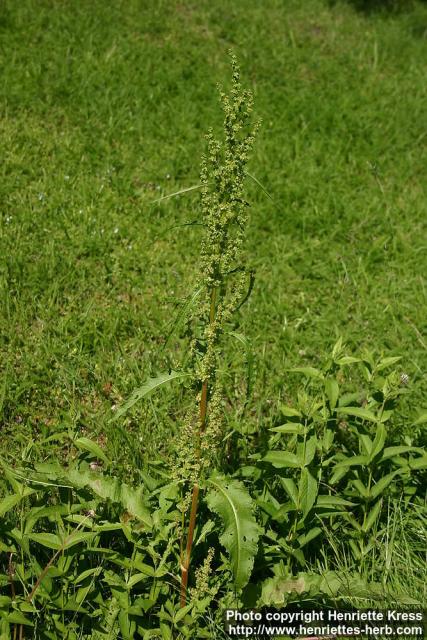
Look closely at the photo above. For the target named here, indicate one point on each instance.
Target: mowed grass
(104, 108)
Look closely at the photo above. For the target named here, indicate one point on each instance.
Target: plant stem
(30, 597)
(185, 563)
(204, 395)
(12, 588)
(67, 540)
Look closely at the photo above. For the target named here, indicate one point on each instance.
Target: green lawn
(104, 107)
(103, 111)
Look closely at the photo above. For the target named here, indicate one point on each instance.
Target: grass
(398, 560)
(103, 112)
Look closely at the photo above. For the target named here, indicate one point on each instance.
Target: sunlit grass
(104, 111)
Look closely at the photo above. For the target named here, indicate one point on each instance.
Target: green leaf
(305, 538)
(379, 442)
(165, 631)
(358, 412)
(360, 487)
(49, 540)
(372, 517)
(78, 537)
(182, 613)
(328, 438)
(180, 317)
(310, 450)
(366, 444)
(206, 529)
(291, 489)
(11, 501)
(11, 476)
(387, 362)
(233, 504)
(383, 483)
(111, 488)
(148, 387)
(135, 578)
(347, 399)
(280, 459)
(56, 511)
(307, 491)
(332, 392)
(276, 590)
(141, 606)
(52, 470)
(418, 463)
(106, 526)
(330, 582)
(354, 460)
(386, 415)
(347, 360)
(86, 574)
(290, 411)
(352, 520)
(289, 427)
(391, 452)
(333, 501)
(16, 617)
(133, 500)
(125, 624)
(337, 348)
(338, 474)
(52, 541)
(92, 447)
(249, 359)
(421, 419)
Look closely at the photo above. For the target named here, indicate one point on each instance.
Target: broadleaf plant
(230, 500)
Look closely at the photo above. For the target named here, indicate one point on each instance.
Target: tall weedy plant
(224, 284)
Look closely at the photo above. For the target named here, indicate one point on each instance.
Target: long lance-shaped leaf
(12, 500)
(230, 500)
(260, 185)
(249, 360)
(199, 186)
(110, 488)
(180, 317)
(192, 223)
(148, 387)
(177, 193)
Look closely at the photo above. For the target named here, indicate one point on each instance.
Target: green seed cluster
(203, 589)
(223, 276)
(225, 215)
(224, 212)
(222, 176)
(185, 465)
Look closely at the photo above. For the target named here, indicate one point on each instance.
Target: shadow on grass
(382, 6)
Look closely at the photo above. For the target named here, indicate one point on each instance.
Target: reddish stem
(185, 562)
